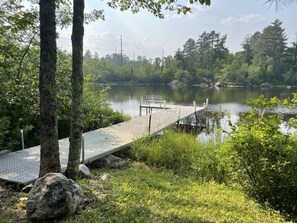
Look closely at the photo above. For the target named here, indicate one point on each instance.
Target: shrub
(263, 159)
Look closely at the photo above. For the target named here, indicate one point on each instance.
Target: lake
(228, 102)
(126, 99)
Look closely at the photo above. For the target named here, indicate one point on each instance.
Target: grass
(141, 193)
(174, 179)
(183, 154)
(144, 194)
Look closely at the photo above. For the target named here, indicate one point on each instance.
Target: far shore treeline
(266, 56)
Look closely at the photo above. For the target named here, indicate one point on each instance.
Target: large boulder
(52, 196)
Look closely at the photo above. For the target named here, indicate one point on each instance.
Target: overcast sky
(145, 35)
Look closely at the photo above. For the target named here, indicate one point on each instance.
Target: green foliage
(181, 153)
(155, 7)
(262, 158)
(19, 99)
(97, 110)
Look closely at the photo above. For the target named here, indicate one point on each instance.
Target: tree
(190, 54)
(18, 59)
(77, 89)
(211, 48)
(270, 52)
(279, 4)
(88, 54)
(49, 147)
(249, 45)
(155, 7)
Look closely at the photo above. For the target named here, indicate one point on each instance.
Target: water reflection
(126, 99)
(225, 103)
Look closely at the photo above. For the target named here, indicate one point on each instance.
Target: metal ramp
(22, 167)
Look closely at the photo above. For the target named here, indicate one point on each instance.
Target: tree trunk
(77, 89)
(49, 147)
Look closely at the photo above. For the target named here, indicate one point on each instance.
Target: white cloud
(248, 18)
(108, 35)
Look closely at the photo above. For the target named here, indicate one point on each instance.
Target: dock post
(140, 108)
(82, 149)
(22, 139)
(206, 117)
(150, 123)
(195, 113)
(178, 119)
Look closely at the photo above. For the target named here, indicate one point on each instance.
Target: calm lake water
(126, 99)
(228, 102)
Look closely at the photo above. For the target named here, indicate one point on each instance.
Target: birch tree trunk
(77, 89)
(49, 147)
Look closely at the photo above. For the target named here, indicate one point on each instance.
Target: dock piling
(150, 123)
(22, 139)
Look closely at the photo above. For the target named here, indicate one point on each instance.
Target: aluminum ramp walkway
(22, 167)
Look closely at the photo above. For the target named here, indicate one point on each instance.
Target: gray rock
(53, 196)
(27, 188)
(219, 84)
(84, 172)
(265, 85)
(110, 162)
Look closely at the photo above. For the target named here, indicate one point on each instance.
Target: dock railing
(152, 102)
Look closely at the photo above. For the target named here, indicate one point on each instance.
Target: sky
(145, 35)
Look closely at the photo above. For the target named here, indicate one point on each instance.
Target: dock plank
(22, 167)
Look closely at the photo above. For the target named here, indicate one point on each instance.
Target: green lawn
(142, 194)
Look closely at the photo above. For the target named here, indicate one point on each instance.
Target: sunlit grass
(182, 153)
(144, 194)
(141, 193)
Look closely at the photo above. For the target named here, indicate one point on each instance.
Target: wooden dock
(22, 167)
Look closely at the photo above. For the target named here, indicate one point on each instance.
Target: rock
(27, 188)
(105, 177)
(84, 172)
(265, 85)
(110, 162)
(53, 196)
(219, 84)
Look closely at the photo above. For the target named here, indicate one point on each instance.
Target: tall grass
(182, 153)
